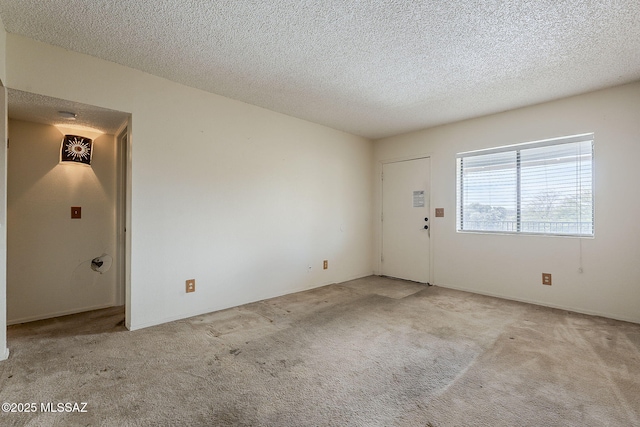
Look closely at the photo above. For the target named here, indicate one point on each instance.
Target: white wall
(4, 351)
(49, 254)
(240, 198)
(3, 49)
(510, 266)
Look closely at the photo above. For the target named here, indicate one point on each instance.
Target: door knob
(426, 227)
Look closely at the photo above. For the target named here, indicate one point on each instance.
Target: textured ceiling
(370, 67)
(43, 109)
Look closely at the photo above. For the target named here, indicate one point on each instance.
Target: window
(544, 187)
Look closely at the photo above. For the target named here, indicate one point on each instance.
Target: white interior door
(405, 214)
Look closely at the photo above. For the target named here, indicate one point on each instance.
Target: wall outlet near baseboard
(546, 279)
(191, 285)
(325, 264)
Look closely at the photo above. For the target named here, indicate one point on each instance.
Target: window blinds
(541, 188)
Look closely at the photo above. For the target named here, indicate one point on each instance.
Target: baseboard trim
(543, 304)
(212, 309)
(57, 314)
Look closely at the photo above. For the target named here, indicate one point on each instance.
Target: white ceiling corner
(373, 67)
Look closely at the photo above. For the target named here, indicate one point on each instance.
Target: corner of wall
(508, 266)
(4, 351)
(3, 53)
(310, 213)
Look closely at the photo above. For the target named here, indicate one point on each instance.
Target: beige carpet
(371, 352)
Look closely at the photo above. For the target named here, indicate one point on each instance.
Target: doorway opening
(66, 221)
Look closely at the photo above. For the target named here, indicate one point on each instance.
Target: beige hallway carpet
(370, 352)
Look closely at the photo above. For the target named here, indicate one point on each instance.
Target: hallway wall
(49, 254)
(246, 201)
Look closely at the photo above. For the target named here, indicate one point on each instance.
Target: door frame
(381, 163)
(123, 218)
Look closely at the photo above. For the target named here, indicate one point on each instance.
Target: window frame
(516, 148)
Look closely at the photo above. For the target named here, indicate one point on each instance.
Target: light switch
(76, 212)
